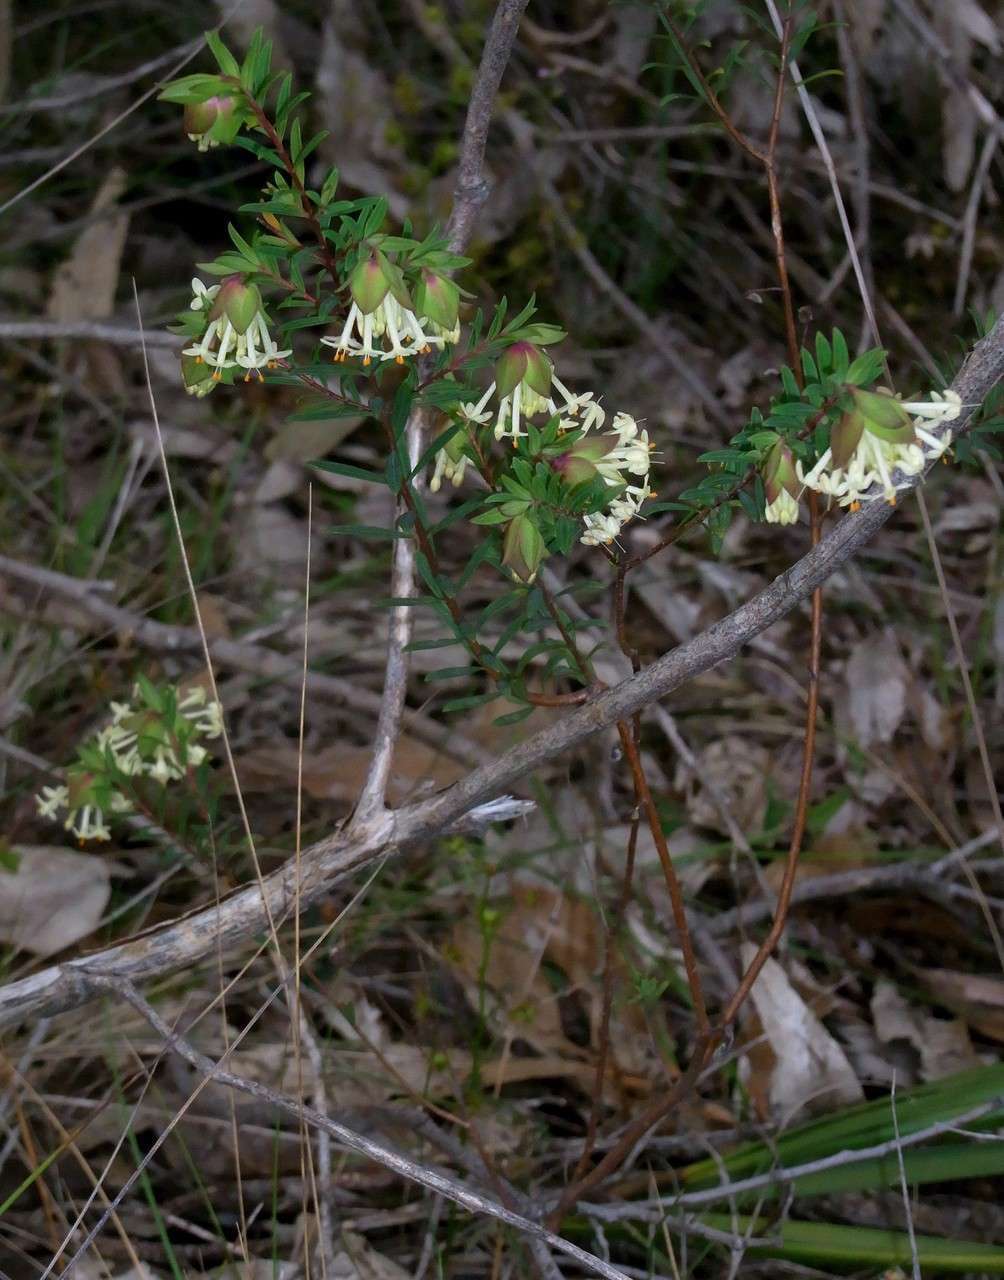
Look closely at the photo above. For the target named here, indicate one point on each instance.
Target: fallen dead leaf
(83, 287)
(810, 1068)
(976, 997)
(305, 441)
(943, 1044)
(367, 155)
(338, 772)
(544, 965)
(53, 899)
(739, 770)
(358, 1260)
(876, 681)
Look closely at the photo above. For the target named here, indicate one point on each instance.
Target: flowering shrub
(553, 466)
(158, 735)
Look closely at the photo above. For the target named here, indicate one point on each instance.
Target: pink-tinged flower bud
(523, 548)
(369, 284)
(779, 473)
(239, 301)
(579, 463)
(526, 363)
(211, 122)
(884, 416)
(438, 299)
(845, 437)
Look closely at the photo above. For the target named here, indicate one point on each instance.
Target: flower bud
(523, 362)
(846, 436)
(239, 301)
(779, 473)
(211, 122)
(368, 284)
(578, 464)
(884, 416)
(438, 299)
(523, 548)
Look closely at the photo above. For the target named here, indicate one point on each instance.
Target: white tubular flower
(632, 456)
(942, 406)
(524, 402)
(876, 450)
(88, 823)
(123, 744)
(868, 475)
(627, 505)
(783, 510)
(625, 427)
(50, 800)
(165, 767)
(477, 413)
(203, 712)
(448, 468)
(202, 294)
(399, 326)
(601, 529)
(523, 377)
(623, 451)
(237, 333)
(591, 411)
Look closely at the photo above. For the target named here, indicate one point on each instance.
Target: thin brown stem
(712, 99)
(644, 794)
(310, 211)
(614, 923)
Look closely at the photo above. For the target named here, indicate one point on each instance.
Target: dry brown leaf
(83, 287)
(304, 441)
(338, 772)
(358, 1260)
(977, 997)
(540, 933)
(959, 122)
(739, 769)
(876, 679)
(361, 145)
(943, 1044)
(53, 899)
(810, 1068)
(271, 537)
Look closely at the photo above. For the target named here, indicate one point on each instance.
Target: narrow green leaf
(354, 473)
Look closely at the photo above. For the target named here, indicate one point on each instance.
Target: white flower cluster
(582, 412)
(878, 468)
(86, 813)
(223, 346)
(631, 457)
(391, 323)
(142, 742)
(147, 741)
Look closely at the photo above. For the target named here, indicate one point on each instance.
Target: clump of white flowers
(526, 386)
(879, 444)
(157, 735)
(386, 323)
(236, 334)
